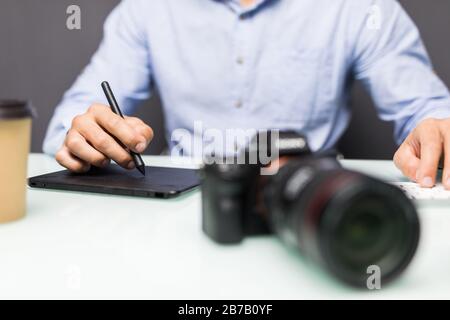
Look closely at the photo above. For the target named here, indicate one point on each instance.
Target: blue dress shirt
(280, 64)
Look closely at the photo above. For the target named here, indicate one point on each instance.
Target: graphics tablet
(159, 182)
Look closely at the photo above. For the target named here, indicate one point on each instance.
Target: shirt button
(238, 104)
(240, 60)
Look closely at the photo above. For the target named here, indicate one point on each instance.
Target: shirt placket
(241, 56)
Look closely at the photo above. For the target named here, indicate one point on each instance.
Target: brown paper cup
(15, 132)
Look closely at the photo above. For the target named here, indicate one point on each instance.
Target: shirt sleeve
(122, 59)
(392, 63)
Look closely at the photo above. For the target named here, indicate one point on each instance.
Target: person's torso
(283, 65)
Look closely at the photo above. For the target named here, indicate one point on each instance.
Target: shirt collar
(236, 6)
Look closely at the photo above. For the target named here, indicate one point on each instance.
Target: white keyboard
(415, 192)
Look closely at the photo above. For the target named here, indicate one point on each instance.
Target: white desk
(74, 245)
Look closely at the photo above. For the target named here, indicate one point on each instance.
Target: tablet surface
(159, 182)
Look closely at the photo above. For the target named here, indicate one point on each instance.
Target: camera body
(231, 191)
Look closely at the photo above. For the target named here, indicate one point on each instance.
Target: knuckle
(73, 143)
(427, 165)
(116, 122)
(140, 127)
(102, 142)
(409, 167)
(434, 147)
(77, 121)
(398, 158)
(123, 158)
(148, 132)
(59, 156)
(133, 140)
(132, 121)
(94, 108)
(98, 160)
(427, 126)
(78, 167)
(130, 137)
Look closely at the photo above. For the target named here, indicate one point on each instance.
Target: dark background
(40, 59)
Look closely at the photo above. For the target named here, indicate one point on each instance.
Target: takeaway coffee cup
(15, 127)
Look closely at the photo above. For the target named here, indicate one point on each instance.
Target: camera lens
(364, 232)
(345, 220)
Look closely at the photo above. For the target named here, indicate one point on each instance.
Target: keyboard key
(414, 191)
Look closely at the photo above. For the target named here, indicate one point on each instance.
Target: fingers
(446, 173)
(139, 126)
(419, 156)
(406, 159)
(430, 154)
(79, 147)
(119, 128)
(100, 135)
(98, 146)
(67, 160)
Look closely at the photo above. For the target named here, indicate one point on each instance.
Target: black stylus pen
(140, 165)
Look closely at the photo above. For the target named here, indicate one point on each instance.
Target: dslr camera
(343, 220)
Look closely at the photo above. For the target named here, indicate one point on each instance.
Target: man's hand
(419, 156)
(100, 135)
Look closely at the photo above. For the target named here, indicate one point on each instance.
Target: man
(278, 64)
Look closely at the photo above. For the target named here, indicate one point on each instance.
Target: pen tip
(141, 169)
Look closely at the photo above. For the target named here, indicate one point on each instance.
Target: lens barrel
(346, 221)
